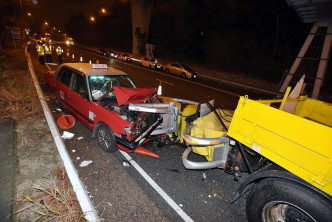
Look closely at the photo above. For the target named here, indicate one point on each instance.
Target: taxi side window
(79, 85)
(65, 76)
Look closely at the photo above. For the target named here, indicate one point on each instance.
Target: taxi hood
(124, 96)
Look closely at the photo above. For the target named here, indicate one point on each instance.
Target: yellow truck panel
(299, 142)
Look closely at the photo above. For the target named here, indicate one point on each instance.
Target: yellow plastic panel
(207, 127)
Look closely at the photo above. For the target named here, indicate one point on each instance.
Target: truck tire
(282, 200)
(106, 139)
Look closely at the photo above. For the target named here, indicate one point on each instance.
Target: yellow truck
(288, 155)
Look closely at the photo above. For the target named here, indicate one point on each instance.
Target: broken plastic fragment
(85, 163)
(79, 138)
(73, 151)
(59, 110)
(67, 135)
(125, 163)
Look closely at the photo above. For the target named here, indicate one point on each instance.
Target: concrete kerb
(86, 205)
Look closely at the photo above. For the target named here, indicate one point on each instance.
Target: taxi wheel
(106, 139)
(183, 75)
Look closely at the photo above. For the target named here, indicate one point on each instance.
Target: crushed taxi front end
(141, 115)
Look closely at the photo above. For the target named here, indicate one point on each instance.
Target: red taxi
(107, 101)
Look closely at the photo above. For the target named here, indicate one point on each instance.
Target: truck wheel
(274, 200)
(106, 139)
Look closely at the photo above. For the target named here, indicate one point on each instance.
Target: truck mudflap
(206, 137)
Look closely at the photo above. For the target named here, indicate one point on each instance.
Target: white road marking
(155, 186)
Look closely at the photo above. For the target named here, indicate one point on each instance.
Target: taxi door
(79, 99)
(62, 86)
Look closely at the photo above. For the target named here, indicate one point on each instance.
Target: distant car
(150, 62)
(103, 52)
(107, 101)
(112, 54)
(180, 69)
(124, 57)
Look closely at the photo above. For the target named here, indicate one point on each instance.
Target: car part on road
(65, 121)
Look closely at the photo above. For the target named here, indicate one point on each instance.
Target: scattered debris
(209, 196)
(85, 163)
(126, 163)
(79, 138)
(204, 177)
(73, 151)
(67, 135)
(180, 205)
(78, 158)
(58, 110)
(214, 193)
(173, 170)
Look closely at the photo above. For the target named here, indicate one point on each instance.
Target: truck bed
(299, 142)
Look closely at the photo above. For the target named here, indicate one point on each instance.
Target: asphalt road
(120, 193)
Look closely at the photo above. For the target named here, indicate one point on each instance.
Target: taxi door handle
(69, 96)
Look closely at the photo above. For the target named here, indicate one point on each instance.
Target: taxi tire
(106, 139)
(269, 194)
(183, 75)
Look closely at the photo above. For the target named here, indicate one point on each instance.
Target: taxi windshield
(100, 84)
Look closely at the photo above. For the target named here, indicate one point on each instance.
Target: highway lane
(173, 85)
(120, 193)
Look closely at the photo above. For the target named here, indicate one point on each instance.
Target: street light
(46, 23)
(54, 28)
(92, 19)
(103, 10)
(29, 14)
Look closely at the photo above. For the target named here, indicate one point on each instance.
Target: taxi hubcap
(104, 138)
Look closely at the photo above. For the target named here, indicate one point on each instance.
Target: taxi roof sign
(99, 66)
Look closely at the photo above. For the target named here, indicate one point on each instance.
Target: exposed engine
(141, 121)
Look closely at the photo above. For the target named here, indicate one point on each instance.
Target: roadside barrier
(88, 209)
